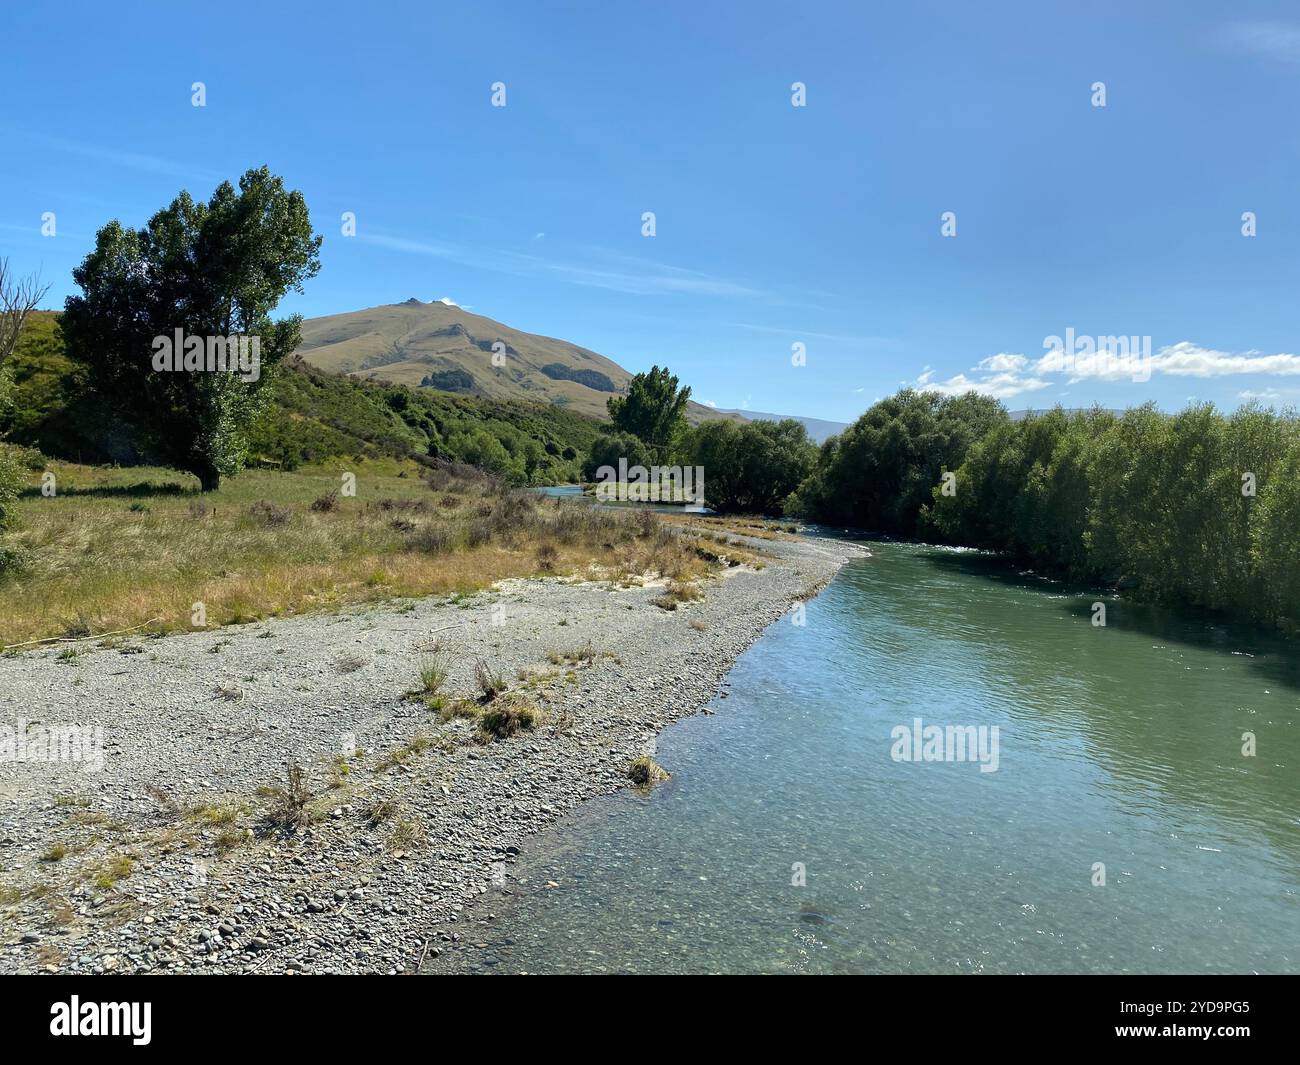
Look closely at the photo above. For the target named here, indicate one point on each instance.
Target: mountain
(439, 345)
(818, 428)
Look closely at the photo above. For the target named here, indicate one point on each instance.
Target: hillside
(314, 416)
(441, 346)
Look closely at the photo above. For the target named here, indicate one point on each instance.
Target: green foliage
(11, 482)
(1149, 502)
(654, 409)
(454, 380)
(751, 466)
(317, 415)
(879, 473)
(612, 445)
(212, 270)
(311, 417)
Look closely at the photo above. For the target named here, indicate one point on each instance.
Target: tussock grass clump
(407, 834)
(431, 539)
(115, 869)
(55, 853)
(678, 592)
(229, 839)
(490, 682)
(215, 815)
(415, 746)
(645, 772)
(380, 810)
(434, 668)
(268, 514)
(585, 653)
(325, 503)
(462, 708)
(547, 557)
(288, 809)
(508, 716)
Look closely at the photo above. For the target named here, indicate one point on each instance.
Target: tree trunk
(209, 479)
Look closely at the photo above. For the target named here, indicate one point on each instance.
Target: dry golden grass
(118, 548)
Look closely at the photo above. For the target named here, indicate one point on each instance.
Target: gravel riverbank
(159, 861)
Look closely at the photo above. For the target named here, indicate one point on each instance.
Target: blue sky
(774, 224)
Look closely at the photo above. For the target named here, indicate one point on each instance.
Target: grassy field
(117, 548)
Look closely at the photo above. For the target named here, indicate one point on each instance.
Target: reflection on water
(1118, 745)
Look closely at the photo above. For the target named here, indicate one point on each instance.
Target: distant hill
(818, 428)
(441, 346)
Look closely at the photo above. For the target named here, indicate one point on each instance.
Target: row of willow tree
(1196, 508)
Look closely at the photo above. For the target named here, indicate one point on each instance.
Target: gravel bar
(125, 869)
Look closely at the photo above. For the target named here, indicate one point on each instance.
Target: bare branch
(18, 298)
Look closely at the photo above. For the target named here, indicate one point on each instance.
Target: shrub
(431, 539)
(11, 482)
(288, 809)
(645, 772)
(490, 682)
(506, 717)
(269, 514)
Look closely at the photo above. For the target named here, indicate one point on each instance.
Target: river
(790, 839)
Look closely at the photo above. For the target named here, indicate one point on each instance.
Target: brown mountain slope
(443, 346)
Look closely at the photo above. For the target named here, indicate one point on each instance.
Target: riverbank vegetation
(1197, 509)
(143, 548)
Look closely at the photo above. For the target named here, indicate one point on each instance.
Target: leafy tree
(654, 409)
(611, 446)
(211, 270)
(880, 472)
(1275, 543)
(750, 466)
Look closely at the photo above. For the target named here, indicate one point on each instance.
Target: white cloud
(998, 385)
(1186, 359)
(1003, 363)
(1004, 375)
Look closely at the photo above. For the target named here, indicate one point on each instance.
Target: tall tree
(214, 269)
(654, 409)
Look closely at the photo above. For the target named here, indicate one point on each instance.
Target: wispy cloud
(604, 269)
(1273, 40)
(437, 249)
(151, 164)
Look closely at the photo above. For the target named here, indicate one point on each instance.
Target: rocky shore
(162, 861)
